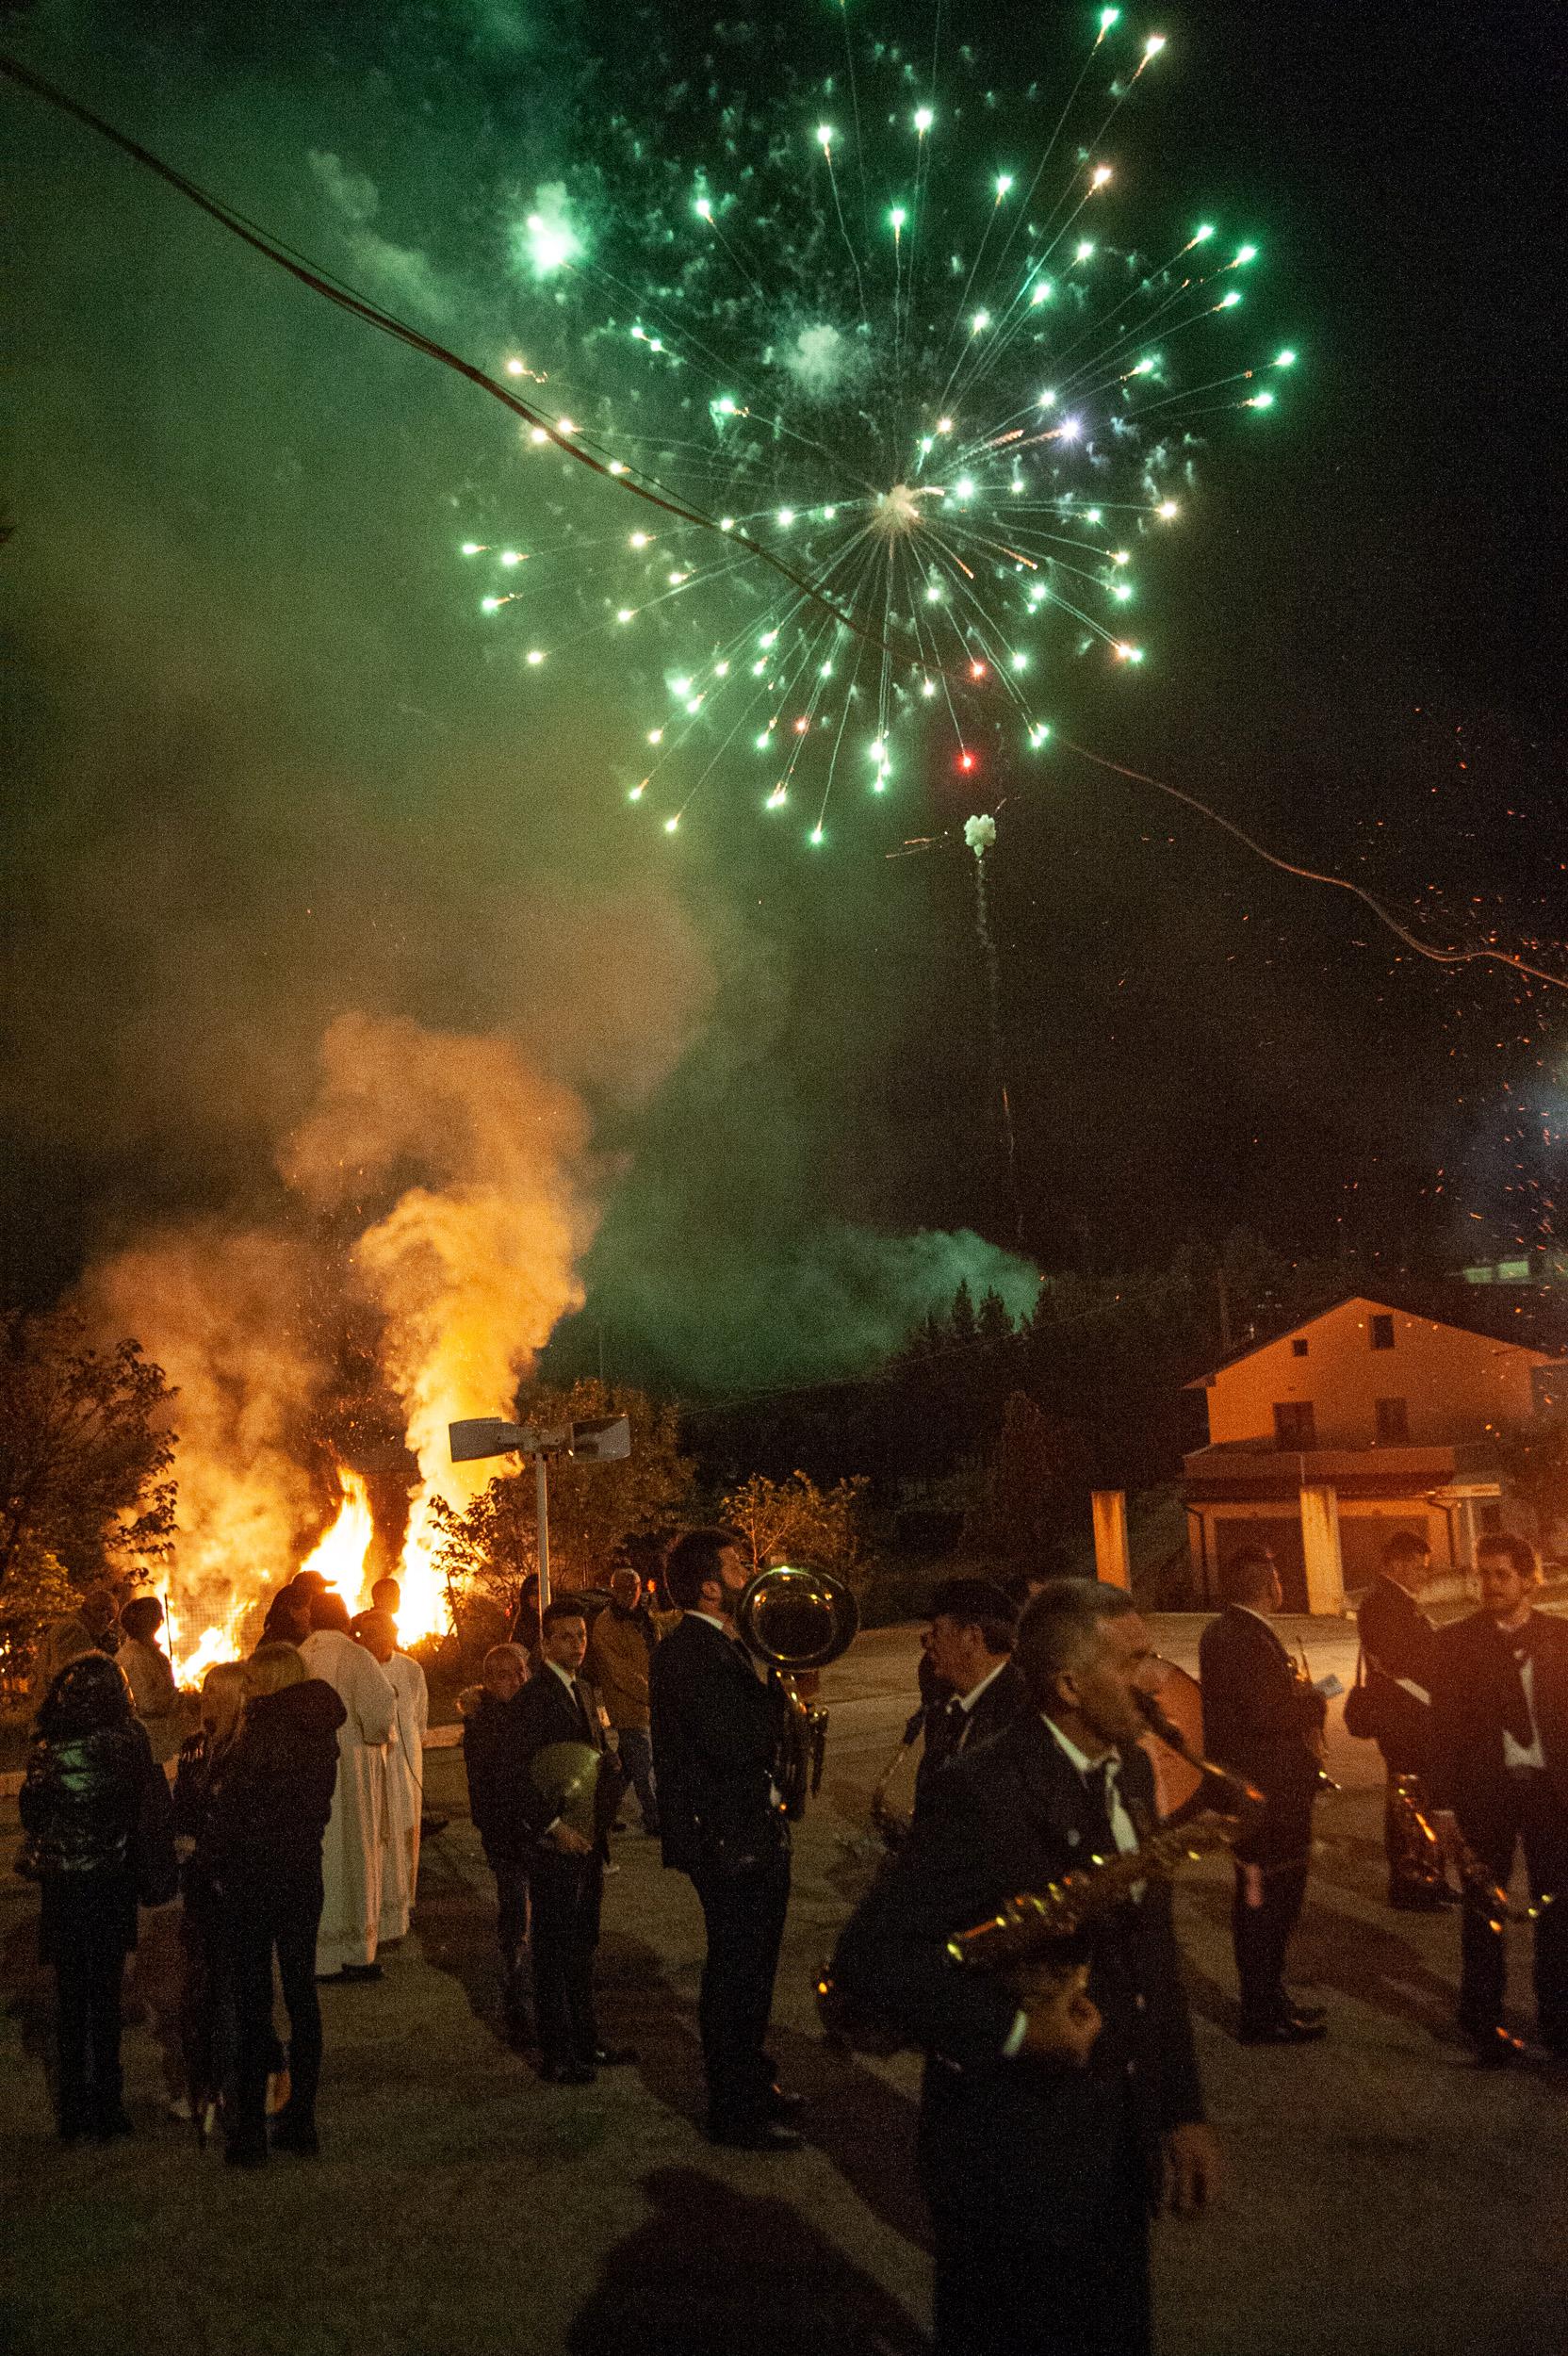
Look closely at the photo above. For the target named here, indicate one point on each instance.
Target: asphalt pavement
(1383, 2196)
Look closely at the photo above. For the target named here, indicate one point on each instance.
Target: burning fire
(441, 1208)
(340, 1555)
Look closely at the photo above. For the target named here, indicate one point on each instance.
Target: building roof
(1382, 1308)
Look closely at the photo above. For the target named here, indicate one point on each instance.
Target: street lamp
(588, 1440)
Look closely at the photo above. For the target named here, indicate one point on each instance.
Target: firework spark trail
(1485, 955)
(980, 835)
(1009, 523)
(944, 367)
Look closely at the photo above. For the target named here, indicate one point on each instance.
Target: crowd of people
(296, 1816)
(290, 1840)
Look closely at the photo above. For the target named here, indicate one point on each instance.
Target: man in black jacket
(496, 1765)
(1264, 1720)
(969, 1647)
(565, 1865)
(1499, 1770)
(1050, 2127)
(716, 1731)
(1397, 1642)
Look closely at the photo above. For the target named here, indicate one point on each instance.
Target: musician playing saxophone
(1262, 1717)
(1052, 2124)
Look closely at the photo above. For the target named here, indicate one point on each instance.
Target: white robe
(405, 1779)
(353, 1851)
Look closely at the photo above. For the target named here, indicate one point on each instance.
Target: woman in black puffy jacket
(259, 1852)
(96, 1811)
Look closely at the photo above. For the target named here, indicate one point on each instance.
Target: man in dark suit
(1499, 1770)
(1050, 2126)
(717, 1732)
(969, 1647)
(566, 1866)
(493, 1733)
(1397, 1642)
(1264, 1721)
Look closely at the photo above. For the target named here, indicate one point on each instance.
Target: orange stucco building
(1364, 1420)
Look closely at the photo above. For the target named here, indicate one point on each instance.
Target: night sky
(266, 768)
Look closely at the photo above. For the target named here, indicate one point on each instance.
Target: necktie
(946, 1730)
(1097, 1784)
(1517, 1717)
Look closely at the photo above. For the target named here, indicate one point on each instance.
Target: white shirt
(1123, 1831)
(966, 1701)
(1516, 1753)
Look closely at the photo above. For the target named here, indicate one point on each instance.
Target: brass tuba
(797, 1619)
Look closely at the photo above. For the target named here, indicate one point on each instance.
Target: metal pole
(542, 1502)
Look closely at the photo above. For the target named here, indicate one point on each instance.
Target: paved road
(1384, 2199)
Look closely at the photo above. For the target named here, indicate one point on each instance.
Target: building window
(1383, 1332)
(1293, 1426)
(1392, 1422)
(1298, 1349)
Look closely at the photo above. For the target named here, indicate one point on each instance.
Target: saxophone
(1019, 1939)
(1023, 1939)
(891, 1825)
(1409, 1804)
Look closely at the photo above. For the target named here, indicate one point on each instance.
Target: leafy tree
(491, 1545)
(84, 1446)
(795, 1521)
(1034, 1483)
(995, 1323)
(36, 1594)
(961, 1319)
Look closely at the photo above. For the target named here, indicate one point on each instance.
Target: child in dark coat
(95, 1812)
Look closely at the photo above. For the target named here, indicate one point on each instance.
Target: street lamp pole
(542, 1511)
(590, 1440)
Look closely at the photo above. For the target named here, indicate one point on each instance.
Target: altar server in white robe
(378, 1632)
(353, 1854)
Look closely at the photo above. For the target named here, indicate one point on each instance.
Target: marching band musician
(1398, 1643)
(969, 1647)
(1052, 2124)
(1264, 1720)
(717, 1731)
(1499, 1773)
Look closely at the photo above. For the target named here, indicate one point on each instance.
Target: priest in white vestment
(406, 1773)
(354, 1850)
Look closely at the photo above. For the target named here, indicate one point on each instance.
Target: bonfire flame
(463, 1273)
(339, 1557)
